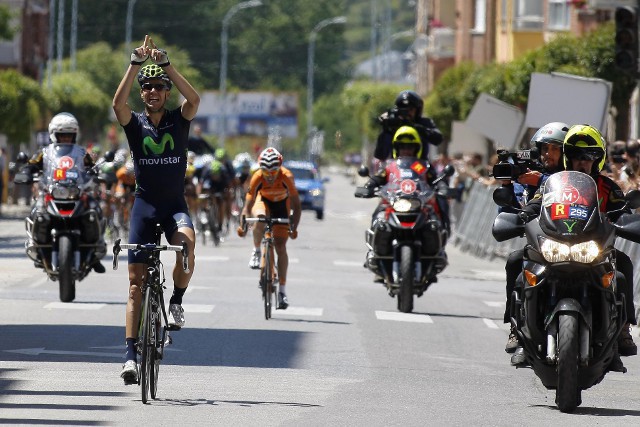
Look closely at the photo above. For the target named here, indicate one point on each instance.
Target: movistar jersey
(159, 154)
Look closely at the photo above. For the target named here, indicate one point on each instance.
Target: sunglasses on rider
(156, 86)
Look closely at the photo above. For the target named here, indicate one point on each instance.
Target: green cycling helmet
(152, 71)
(215, 167)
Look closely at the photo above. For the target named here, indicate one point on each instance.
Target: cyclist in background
(158, 142)
(214, 181)
(272, 193)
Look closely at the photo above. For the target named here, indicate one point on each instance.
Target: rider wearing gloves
(585, 151)
(406, 112)
(272, 192)
(158, 140)
(548, 140)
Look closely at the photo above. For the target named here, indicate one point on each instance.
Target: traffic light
(626, 54)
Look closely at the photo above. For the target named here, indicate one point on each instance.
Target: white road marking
(197, 308)
(39, 351)
(214, 258)
(403, 317)
(495, 303)
(341, 263)
(74, 305)
(300, 311)
(39, 282)
(490, 323)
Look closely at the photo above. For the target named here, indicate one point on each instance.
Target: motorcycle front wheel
(65, 269)
(567, 393)
(405, 295)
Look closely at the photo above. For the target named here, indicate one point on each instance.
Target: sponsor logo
(408, 186)
(559, 211)
(570, 225)
(65, 162)
(418, 168)
(160, 161)
(578, 212)
(157, 148)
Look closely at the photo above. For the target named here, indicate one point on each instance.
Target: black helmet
(408, 98)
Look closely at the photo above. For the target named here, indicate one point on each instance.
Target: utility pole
(60, 42)
(421, 64)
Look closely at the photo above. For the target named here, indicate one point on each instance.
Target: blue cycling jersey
(159, 154)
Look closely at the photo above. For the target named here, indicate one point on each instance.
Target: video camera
(511, 165)
(396, 117)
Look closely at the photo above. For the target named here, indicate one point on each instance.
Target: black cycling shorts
(145, 216)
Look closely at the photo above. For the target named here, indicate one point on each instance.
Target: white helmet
(63, 123)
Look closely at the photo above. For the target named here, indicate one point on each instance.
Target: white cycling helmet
(270, 159)
(63, 123)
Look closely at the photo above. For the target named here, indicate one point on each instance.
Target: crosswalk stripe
(490, 323)
(341, 263)
(403, 317)
(197, 308)
(495, 303)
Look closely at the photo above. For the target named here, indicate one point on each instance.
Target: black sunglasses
(156, 86)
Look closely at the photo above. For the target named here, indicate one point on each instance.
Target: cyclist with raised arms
(158, 140)
(272, 192)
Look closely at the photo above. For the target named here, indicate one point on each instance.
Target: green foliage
(6, 30)
(21, 106)
(76, 93)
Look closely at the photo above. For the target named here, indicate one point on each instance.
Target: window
(558, 15)
(527, 15)
(480, 18)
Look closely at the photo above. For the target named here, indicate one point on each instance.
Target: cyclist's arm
(296, 206)
(191, 101)
(120, 106)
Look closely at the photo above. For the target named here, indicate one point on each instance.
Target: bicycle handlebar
(269, 220)
(152, 247)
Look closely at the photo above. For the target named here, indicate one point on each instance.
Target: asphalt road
(340, 355)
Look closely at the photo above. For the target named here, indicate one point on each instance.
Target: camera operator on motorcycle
(584, 150)
(63, 133)
(407, 111)
(548, 141)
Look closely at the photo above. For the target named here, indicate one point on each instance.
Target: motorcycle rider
(584, 150)
(548, 141)
(64, 129)
(407, 111)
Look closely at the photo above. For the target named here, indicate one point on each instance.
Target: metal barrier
(472, 233)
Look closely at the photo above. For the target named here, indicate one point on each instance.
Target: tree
(22, 106)
(6, 30)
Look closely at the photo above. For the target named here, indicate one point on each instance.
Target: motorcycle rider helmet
(409, 98)
(551, 133)
(585, 142)
(404, 136)
(153, 71)
(63, 123)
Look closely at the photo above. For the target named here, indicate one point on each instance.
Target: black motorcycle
(65, 226)
(407, 238)
(567, 308)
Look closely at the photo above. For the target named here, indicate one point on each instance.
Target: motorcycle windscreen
(570, 204)
(407, 176)
(63, 162)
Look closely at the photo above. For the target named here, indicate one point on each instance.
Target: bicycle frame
(267, 261)
(153, 315)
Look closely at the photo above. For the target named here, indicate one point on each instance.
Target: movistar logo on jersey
(156, 148)
(159, 161)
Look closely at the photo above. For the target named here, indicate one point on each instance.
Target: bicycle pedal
(173, 328)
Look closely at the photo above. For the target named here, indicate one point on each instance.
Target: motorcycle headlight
(584, 252)
(402, 205)
(60, 192)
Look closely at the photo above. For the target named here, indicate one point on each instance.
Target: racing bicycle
(153, 332)
(267, 265)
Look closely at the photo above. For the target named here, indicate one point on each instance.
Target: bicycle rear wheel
(155, 330)
(145, 360)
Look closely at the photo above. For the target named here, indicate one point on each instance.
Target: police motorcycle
(566, 310)
(407, 238)
(65, 227)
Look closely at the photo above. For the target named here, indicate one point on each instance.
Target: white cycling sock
(282, 290)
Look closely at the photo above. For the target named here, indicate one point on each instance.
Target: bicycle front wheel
(266, 281)
(155, 344)
(145, 337)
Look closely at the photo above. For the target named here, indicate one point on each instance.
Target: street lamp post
(223, 61)
(312, 46)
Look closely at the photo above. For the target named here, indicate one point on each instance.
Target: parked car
(309, 184)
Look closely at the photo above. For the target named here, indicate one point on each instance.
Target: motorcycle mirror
(633, 199)
(109, 156)
(363, 171)
(448, 170)
(22, 158)
(502, 196)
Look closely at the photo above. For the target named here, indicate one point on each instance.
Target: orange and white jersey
(281, 188)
